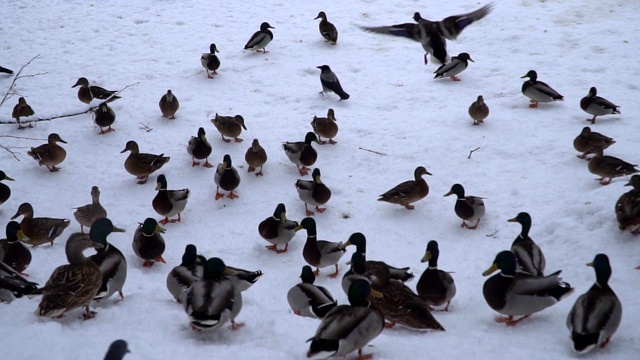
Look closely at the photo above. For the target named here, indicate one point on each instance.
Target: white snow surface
(525, 161)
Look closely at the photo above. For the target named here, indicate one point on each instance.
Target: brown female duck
(49, 154)
(39, 230)
(478, 110)
(608, 167)
(22, 109)
(142, 165)
(628, 207)
(409, 191)
(327, 29)
(230, 126)
(255, 156)
(199, 148)
(227, 178)
(588, 139)
(325, 127)
(169, 105)
(87, 214)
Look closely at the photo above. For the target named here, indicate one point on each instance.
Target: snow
(525, 161)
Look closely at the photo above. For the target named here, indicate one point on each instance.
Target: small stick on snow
(372, 151)
(145, 127)
(472, 151)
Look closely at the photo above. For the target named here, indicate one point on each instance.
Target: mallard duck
(478, 110)
(608, 167)
(302, 153)
(255, 157)
(181, 277)
(588, 139)
(628, 207)
(117, 350)
(320, 253)
(348, 328)
(409, 191)
(22, 109)
(104, 117)
(454, 67)
(357, 271)
(308, 300)
(327, 29)
(314, 192)
(49, 154)
(529, 256)
(169, 203)
(468, 208)
(199, 148)
(227, 178)
(538, 91)
(87, 93)
(230, 126)
(169, 104)
(210, 61)
(596, 315)
(260, 39)
(435, 286)
(325, 127)
(12, 252)
(399, 304)
(76, 284)
(5, 191)
(87, 214)
(514, 293)
(278, 230)
(13, 285)
(148, 244)
(597, 106)
(330, 83)
(243, 279)
(112, 264)
(360, 242)
(211, 301)
(141, 165)
(39, 230)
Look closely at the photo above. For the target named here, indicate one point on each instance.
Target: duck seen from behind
(309, 300)
(528, 254)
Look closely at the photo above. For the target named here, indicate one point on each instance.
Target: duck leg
(409, 206)
(218, 194)
(332, 142)
(238, 140)
(603, 182)
(592, 120)
(605, 343)
(232, 195)
(164, 221)
(509, 320)
(474, 226)
(225, 140)
(175, 220)
(534, 104)
(53, 168)
(389, 325)
(143, 179)
(207, 164)
(304, 170)
(250, 168)
(455, 78)
(307, 211)
(275, 248)
(425, 59)
(316, 272)
(194, 162)
(319, 209)
(335, 274)
(236, 326)
(364, 357)
(259, 173)
(88, 313)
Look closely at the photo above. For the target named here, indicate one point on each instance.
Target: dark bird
(596, 106)
(309, 300)
(13, 285)
(210, 61)
(117, 350)
(227, 178)
(141, 165)
(433, 35)
(528, 254)
(608, 167)
(628, 207)
(255, 156)
(199, 148)
(87, 93)
(327, 29)
(169, 105)
(49, 154)
(105, 117)
(12, 251)
(457, 65)
(22, 109)
(478, 110)
(588, 139)
(5, 70)
(538, 91)
(330, 82)
(5, 191)
(260, 39)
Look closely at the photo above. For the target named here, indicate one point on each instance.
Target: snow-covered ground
(525, 161)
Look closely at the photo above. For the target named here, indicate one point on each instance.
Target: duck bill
(523, 76)
(298, 228)
(62, 141)
(447, 194)
(125, 149)
(21, 235)
(344, 246)
(490, 270)
(590, 264)
(244, 127)
(426, 257)
(117, 229)
(158, 186)
(513, 220)
(160, 229)
(12, 179)
(376, 294)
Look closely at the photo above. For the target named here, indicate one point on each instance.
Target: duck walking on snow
(597, 106)
(148, 243)
(538, 91)
(230, 126)
(325, 127)
(327, 29)
(528, 255)
(112, 264)
(628, 207)
(468, 208)
(260, 39)
(435, 286)
(87, 214)
(457, 65)
(227, 178)
(314, 192)
(141, 165)
(478, 110)
(210, 61)
(255, 157)
(22, 109)
(588, 139)
(302, 153)
(277, 229)
(199, 148)
(608, 167)
(408, 191)
(169, 105)
(320, 253)
(49, 154)
(309, 300)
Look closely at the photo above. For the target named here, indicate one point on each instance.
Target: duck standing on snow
(142, 165)
(608, 167)
(169, 203)
(22, 109)
(148, 243)
(309, 300)
(538, 91)
(325, 127)
(87, 214)
(409, 191)
(117, 350)
(588, 139)
(597, 106)
(596, 315)
(169, 105)
(104, 117)
(314, 192)
(327, 29)
(210, 61)
(478, 110)
(12, 252)
(39, 230)
(529, 256)
(255, 156)
(330, 82)
(260, 39)
(230, 126)
(320, 253)
(5, 191)
(227, 178)
(87, 93)
(181, 277)
(112, 264)
(360, 242)
(49, 154)
(199, 148)
(277, 229)
(457, 65)
(468, 208)
(302, 153)
(628, 207)
(435, 286)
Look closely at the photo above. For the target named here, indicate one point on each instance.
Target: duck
(436, 286)
(597, 106)
(227, 178)
(182, 276)
(327, 29)
(112, 264)
(478, 110)
(347, 328)
(169, 203)
(529, 256)
(39, 230)
(309, 300)
(301, 153)
(320, 253)
(628, 207)
(587, 139)
(325, 127)
(278, 230)
(243, 279)
(399, 304)
(5, 191)
(105, 117)
(209, 302)
(454, 67)
(608, 167)
(358, 240)
(468, 208)
(255, 157)
(148, 243)
(521, 294)
(538, 91)
(230, 126)
(49, 154)
(12, 251)
(169, 105)
(433, 35)
(408, 192)
(87, 93)
(358, 271)
(13, 285)
(596, 315)
(117, 350)
(210, 61)
(142, 165)
(87, 214)
(22, 109)
(260, 39)
(314, 192)
(199, 148)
